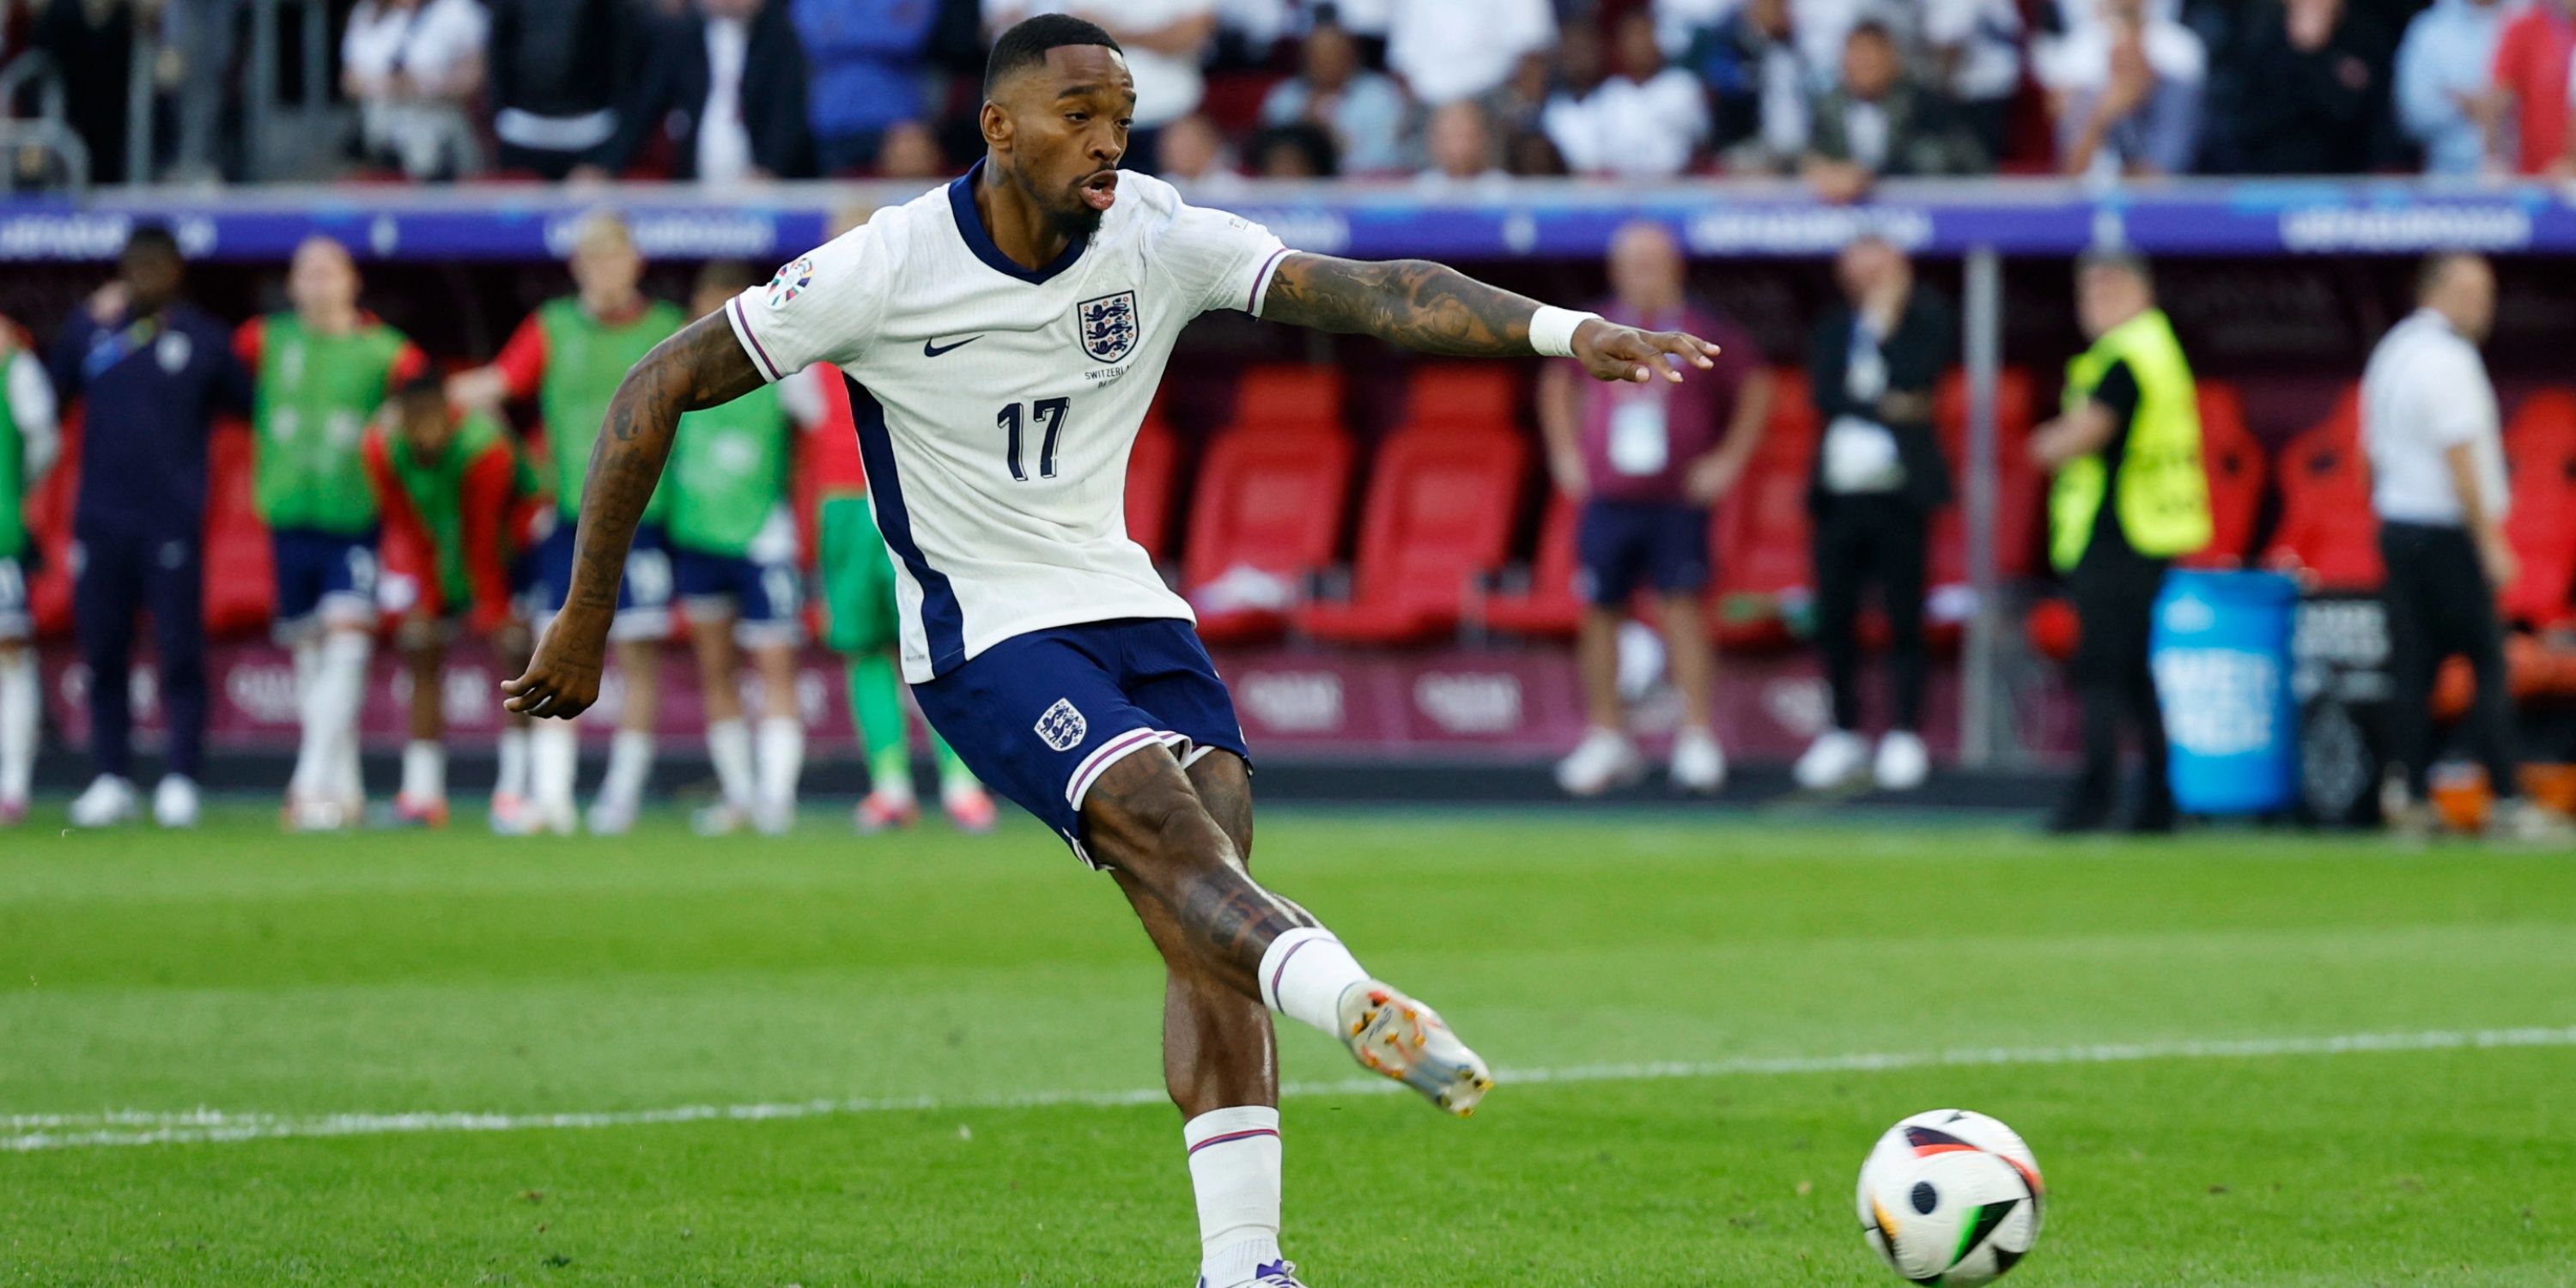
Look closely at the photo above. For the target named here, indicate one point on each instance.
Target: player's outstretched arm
(702, 366)
(1433, 308)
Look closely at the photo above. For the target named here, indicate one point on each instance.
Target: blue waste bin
(2221, 652)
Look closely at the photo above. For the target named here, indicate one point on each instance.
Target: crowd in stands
(1453, 92)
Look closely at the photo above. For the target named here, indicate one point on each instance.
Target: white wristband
(1551, 330)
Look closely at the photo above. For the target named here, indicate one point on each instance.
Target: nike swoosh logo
(932, 348)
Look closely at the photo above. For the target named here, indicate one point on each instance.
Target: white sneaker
(1833, 760)
(557, 818)
(613, 817)
(774, 817)
(108, 801)
(313, 814)
(724, 818)
(2529, 822)
(1401, 1038)
(1699, 764)
(174, 802)
(1603, 760)
(1903, 761)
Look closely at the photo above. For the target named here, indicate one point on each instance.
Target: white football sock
(782, 760)
(424, 776)
(554, 762)
(1234, 1168)
(1304, 974)
(512, 777)
(309, 748)
(630, 763)
(339, 691)
(729, 745)
(21, 697)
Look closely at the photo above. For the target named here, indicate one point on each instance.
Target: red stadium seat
(2540, 452)
(1548, 608)
(1473, 395)
(1760, 537)
(1269, 500)
(1152, 468)
(2234, 460)
(1440, 509)
(2328, 534)
(241, 578)
(1296, 394)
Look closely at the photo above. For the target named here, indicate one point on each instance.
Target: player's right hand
(563, 678)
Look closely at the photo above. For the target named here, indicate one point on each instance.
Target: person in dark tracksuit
(153, 371)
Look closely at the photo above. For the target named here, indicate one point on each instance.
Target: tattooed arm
(1436, 309)
(702, 366)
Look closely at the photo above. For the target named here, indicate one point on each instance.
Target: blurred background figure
(910, 150)
(1464, 159)
(2126, 91)
(2444, 68)
(321, 369)
(1194, 155)
(1643, 121)
(1165, 43)
(1444, 51)
(1758, 82)
(155, 370)
(415, 67)
(569, 356)
(866, 60)
(1881, 123)
(1362, 110)
(2527, 108)
(727, 81)
(454, 492)
(2316, 92)
(1647, 461)
(2436, 445)
(1873, 365)
(2129, 497)
(1974, 47)
(557, 69)
(29, 442)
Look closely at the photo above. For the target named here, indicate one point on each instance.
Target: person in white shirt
(1446, 50)
(2430, 428)
(1166, 41)
(412, 66)
(1001, 340)
(1643, 122)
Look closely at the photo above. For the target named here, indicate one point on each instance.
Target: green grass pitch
(895, 995)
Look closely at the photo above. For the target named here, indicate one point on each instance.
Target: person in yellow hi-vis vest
(2129, 497)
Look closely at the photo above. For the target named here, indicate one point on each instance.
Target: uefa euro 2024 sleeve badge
(1108, 326)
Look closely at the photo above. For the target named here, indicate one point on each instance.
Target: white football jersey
(996, 404)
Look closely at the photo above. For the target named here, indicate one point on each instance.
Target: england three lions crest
(1108, 326)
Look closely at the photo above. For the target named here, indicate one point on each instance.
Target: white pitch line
(32, 1132)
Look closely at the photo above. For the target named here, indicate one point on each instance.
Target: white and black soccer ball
(1951, 1198)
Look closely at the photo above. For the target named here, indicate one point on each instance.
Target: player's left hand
(1613, 352)
(563, 679)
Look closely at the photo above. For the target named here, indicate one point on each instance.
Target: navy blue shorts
(766, 601)
(16, 622)
(326, 574)
(643, 597)
(1621, 546)
(1039, 717)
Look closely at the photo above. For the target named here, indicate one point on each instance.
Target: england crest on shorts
(1062, 727)
(1108, 326)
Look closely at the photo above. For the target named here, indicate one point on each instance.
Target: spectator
(1362, 110)
(2126, 89)
(2528, 120)
(29, 441)
(1193, 153)
(1643, 121)
(413, 66)
(92, 44)
(154, 371)
(2129, 498)
(2443, 68)
(728, 82)
(558, 71)
(865, 60)
(1647, 461)
(1299, 150)
(1976, 47)
(1760, 83)
(1446, 51)
(1878, 477)
(1164, 40)
(911, 151)
(2313, 93)
(2428, 421)
(1882, 124)
(1463, 154)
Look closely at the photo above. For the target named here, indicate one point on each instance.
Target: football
(1950, 1197)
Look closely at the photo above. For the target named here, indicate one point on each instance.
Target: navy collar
(970, 225)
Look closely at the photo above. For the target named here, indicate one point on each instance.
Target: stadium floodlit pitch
(241, 1058)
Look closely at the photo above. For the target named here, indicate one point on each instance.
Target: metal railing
(50, 130)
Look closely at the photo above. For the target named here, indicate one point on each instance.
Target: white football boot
(1604, 760)
(174, 802)
(1903, 761)
(109, 800)
(1401, 1038)
(1699, 764)
(1832, 760)
(1269, 1274)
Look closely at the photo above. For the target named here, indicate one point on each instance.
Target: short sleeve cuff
(1260, 288)
(760, 359)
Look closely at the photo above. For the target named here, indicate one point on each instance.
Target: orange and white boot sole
(1397, 1037)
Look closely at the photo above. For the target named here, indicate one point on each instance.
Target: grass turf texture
(245, 971)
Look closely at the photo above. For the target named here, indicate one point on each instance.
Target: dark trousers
(2440, 605)
(121, 572)
(2114, 589)
(1880, 539)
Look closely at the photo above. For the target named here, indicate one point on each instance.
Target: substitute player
(453, 489)
(733, 553)
(569, 356)
(28, 445)
(321, 370)
(1002, 338)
